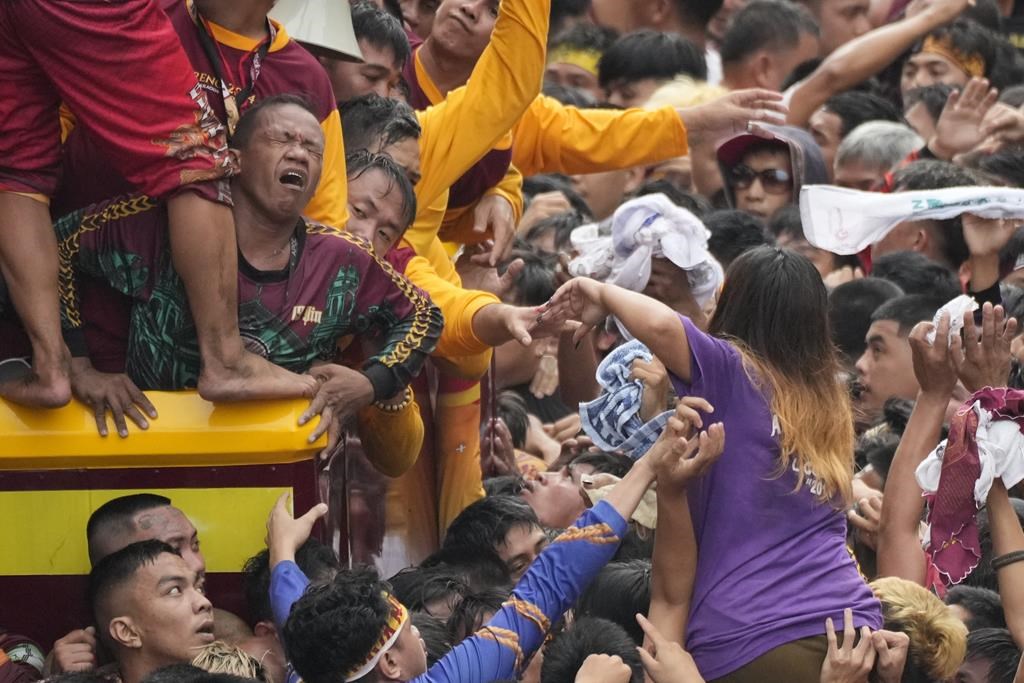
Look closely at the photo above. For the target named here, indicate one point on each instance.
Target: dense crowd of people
(705, 312)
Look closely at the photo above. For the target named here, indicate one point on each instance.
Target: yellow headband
(583, 58)
(972, 65)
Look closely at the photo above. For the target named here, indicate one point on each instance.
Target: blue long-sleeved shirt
(503, 647)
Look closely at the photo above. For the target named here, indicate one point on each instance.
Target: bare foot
(43, 386)
(252, 379)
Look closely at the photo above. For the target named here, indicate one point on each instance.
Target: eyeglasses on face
(773, 180)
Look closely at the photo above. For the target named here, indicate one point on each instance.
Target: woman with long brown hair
(769, 517)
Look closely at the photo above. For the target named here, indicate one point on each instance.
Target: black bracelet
(1007, 559)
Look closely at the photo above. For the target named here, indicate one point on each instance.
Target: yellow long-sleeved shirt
(468, 122)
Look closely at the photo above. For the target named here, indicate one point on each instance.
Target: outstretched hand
(495, 216)
(285, 533)
(735, 113)
(679, 455)
(579, 299)
(959, 128)
(986, 359)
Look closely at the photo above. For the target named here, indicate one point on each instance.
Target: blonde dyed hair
(938, 640)
(816, 425)
(220, 658)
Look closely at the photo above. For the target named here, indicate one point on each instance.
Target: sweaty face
(857, 176)
(841, 21)
(521, 547)
(406, 154)
(281, 161)
(754, 199)
(555, 498)
(172, 617)
(571, 76)
(628, 94)
(462, 28)
(885, 370)
(827, 130)
(928, 68)
(419, 15)
(375, 210)
(379, 73)
(170, 525)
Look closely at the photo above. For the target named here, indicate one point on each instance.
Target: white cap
(322, 25)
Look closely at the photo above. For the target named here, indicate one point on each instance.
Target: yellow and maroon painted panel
(223, 465)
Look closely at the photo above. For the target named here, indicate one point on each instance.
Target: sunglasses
(773, 180)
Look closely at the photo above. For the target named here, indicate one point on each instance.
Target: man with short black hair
(140, 517)
(385, 50)
(638, 63)
(765, 42)
(505, 524)
(885, 369)
(844, 112)
(149, 608)
(992, 657)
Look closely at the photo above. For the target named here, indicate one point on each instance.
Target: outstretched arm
(865, 56)
(650, 321)
(1008, 542)
(899, 545)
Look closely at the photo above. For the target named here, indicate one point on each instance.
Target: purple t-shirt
(772, 562)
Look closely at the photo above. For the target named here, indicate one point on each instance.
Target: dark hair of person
(250, 117)
(734, 232)
(417, 587)
(564, 655)
(984, 606)
(555, 182)
(935, 175)
(120, 511)
(434, 632)
(972, 39)
(118, 568)
(983, 575)
(850, 306)
(187, 673)
(560, 226)
(694, 203)
(585, 36)
(801, 72)
(512, 409)
(362, 162)
(479, 568)
(537, 282)
(765, 290)
(564, 10)
(855, 107)
(505, 485)
(650, 54)
(986, 13)
(1005, 165)
(915, 273)
(334, 625)
(487, 522)
(316, 560)
(698, 12)
(372, 122)
(908, 310)
(618, 593)
(773, 25)
(933, 97)
(637, 544)
(380, 28)
(91, 676)
(570, 97)
(615, 464)
(1012, 96)
(473, 611)
(996, 647)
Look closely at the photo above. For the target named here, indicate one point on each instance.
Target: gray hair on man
(878, 144)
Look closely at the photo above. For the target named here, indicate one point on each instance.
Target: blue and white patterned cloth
(612, 420)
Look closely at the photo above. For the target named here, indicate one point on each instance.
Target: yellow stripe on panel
(44, 531)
